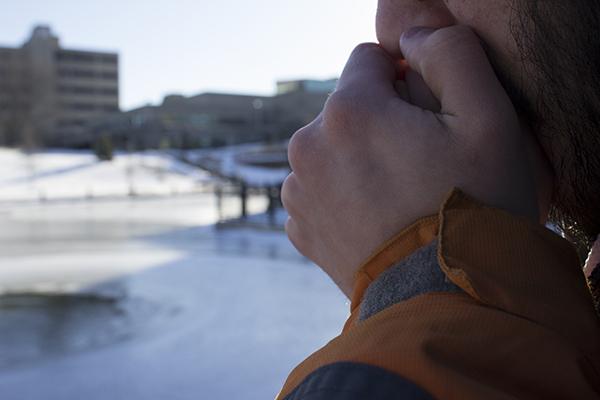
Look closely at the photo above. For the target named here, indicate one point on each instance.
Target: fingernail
(416, 31)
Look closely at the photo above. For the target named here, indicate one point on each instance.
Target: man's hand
(373, 163)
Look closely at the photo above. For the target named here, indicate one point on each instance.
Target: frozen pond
(145, 299)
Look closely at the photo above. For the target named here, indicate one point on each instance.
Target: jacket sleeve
(511, 317)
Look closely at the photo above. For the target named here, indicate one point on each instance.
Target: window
(110, 108)
(75, 56)
(75, 73)
(110, 59)
(76, 90)
(79, 106)
(109, 75)
(233, 121)
(63, 123)
(110, 92)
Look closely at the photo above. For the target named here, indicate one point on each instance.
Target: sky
(193, 46)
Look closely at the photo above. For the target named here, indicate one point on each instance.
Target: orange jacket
(521, 326)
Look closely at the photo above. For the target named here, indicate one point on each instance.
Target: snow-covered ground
(142, 298)
(68, 174)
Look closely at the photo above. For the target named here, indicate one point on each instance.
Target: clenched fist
(381, 155)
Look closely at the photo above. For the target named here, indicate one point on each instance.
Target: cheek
(386, 27)
(394, 17)
(489, 18)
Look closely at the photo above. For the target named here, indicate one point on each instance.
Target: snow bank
(57, 175)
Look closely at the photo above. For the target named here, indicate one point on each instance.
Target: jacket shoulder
(356, 381)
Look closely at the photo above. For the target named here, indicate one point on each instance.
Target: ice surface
(145, 299)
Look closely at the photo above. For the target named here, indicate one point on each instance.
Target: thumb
(369, 70)
(455, 66)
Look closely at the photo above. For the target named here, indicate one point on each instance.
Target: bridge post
(244, 199)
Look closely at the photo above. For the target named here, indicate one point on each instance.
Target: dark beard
(558, 92)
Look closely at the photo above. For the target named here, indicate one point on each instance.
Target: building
(218, 119)
(299, 102)
(49, 95)
(15, 98)
(56, 97)
(306, 86)
(205, 120)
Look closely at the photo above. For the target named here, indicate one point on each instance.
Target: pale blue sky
(190, 46)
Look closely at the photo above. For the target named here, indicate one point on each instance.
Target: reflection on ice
(38, 326)
(145, 299)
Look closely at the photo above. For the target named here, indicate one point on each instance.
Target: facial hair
(558, 91)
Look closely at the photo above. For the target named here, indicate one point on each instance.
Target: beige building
(48, 95)
(218, 119)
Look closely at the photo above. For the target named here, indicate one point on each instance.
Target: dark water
(35, 327)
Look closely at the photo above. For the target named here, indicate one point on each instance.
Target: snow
(143, 298)
(228, 164)
(60, 175)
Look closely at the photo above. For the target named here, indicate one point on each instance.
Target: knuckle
(299, 148)
(339, 103)
(343, 110)
(443, 43)
(364, 50)
(287, 191)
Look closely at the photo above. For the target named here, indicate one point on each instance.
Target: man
(423, 189)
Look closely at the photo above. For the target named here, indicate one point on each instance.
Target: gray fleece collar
(417, 274)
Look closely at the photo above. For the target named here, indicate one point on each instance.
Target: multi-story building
(49, 95)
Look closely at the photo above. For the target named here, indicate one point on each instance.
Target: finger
(402, 90)
(419, 93)
(370, 70)
(365, 90)
(292, 197)
(303, 151)
(455, 67)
